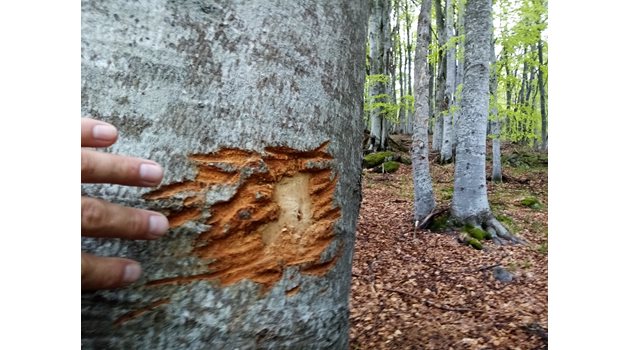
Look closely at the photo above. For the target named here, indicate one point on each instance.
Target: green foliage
(375, 159)
(521, 26)
(382, 103)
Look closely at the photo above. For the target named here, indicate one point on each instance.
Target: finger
(102, 219)
(96, 133)
(106, 273)
(98, 167)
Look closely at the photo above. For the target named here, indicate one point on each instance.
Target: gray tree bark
(254, 109)
(446, 150)
(424, 202)
(408, 16)
(440, 87)
(541, 87)
(470, 196)
(459, 74)
(379, 37)
(402, 111)
(495, 122)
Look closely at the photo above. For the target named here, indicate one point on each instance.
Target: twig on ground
(432, 303)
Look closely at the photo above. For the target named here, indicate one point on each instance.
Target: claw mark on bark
(293, 291)
(139, 312)
(281, 213)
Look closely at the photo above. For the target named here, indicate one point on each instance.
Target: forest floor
(435, 293)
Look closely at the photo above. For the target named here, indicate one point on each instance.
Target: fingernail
(158, 225)
(151, 172)
(104, 132)
(132, 272)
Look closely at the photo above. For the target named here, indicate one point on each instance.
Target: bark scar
(281, 214)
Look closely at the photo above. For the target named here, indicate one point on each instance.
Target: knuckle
(87, 167)
(85, 266)
(137, 223)
(92, 213)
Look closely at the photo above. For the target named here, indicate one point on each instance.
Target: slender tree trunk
(378, 30)
(438, 126)
(254, 109)
(541, 87)
(494, 119)
(508, 93)
(395, 56)
(459, 76)
(521, 92)
(446, 150)
(402, 114)
(408, 20)
(470, 196)
(431, 89)
(424, 202)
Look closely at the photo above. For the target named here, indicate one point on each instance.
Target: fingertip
(104, 133)
(158, 225)
(151, 173)
(132, 272)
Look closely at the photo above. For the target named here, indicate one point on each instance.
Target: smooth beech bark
(470, 195)
(424, 203)
(254, 109)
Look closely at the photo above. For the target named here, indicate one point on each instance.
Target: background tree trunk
(424, 202)
(495, 122)
(440, 89)
(459, 76)
(541, 87)
(254, 108)
(446, 150)
(376, 37)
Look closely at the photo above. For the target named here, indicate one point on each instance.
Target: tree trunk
(541, 87)
(440, 89)
(409, 122)
(446, 150)
(495, 122)
(379, 35)
(459, 76)
(424, 202)
(402, 112)
(470, 196)
(254, 109)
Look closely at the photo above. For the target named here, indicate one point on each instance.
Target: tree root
(499, 234)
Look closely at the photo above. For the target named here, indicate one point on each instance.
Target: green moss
(504, 219)
(477, 232)
(405, 160)
(473, 242)
(447, 193)
(531, 202)
(439, 223)
(390, 166)
(375, 159)
(542, 249)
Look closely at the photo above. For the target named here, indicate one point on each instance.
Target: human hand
(102, 219)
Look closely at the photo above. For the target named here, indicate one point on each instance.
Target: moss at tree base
(390, 166)
(375, 159)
